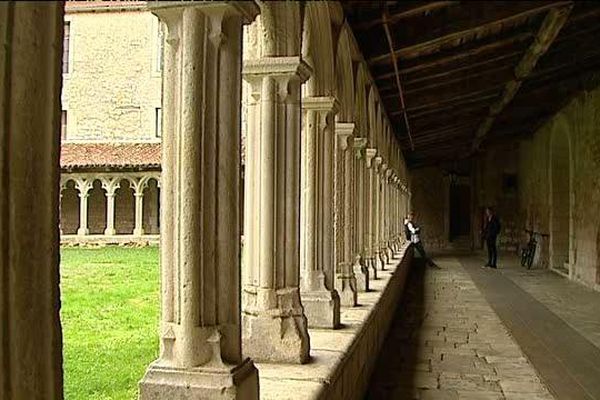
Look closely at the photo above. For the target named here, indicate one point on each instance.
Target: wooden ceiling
(466, 74)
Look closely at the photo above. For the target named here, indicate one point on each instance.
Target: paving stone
(447, 343)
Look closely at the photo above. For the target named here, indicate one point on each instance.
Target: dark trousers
(492, 252)
(421, 250)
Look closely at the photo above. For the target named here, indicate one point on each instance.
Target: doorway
(460, 211)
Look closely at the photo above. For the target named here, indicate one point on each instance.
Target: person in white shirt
(415, 237)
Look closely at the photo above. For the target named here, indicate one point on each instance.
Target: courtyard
(110, 318)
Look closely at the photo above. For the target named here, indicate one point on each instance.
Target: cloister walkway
(463, 332)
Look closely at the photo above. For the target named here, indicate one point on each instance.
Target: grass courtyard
(110, 306)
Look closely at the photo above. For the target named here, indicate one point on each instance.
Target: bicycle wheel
(524, 257)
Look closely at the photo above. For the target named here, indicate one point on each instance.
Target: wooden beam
(467, 54)
(455, 35)
(451, 110)
(455, 100)
(551, 26)
(492, 60)
(467, 80)
(398, 16)
(398, 84)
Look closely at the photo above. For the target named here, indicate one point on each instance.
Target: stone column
(138, 230)
(321, 301)
(275, 327)
(200, 335)
(345, 280)
(370, 213)
(360, 269)
(388, 219)
(83, 186)
(110, 186)
(383, 217)
(377, 214)
(30, 71)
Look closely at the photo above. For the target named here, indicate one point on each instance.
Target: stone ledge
(76, 240)
(342, 360)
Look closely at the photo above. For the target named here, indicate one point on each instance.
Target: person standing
(415, 238)
(490, 234)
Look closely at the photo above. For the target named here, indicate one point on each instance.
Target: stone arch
(125, 207)
(344, 77)
(360, 102)
(317, 49)
(561, 197)
(97, 208)
(69, 207)
(151, 214)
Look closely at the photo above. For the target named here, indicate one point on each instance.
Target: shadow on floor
(394, 374)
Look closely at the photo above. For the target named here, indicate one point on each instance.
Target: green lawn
(110, 320)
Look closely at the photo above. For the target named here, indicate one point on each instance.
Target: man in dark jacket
(490, 234)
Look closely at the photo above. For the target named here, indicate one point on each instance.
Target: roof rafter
(551, 26)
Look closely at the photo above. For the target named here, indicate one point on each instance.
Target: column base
(372, 267)
(83, 231)
(384, 256)
(138, 232)
(110, 232)
(227, 382)
(362, 275)
(274, 326)
(346, 284)
(322, 309)
(379, 264)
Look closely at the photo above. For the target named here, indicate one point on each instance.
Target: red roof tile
(112, 155)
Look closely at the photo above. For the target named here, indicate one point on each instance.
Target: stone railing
(342, 360)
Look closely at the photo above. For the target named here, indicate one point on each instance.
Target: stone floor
(447, 342)
(556, 323)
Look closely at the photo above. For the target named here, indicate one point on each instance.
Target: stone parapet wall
(342, 360)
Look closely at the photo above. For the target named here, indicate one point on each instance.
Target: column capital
(389, 172)
(344, 132)
(378, 161)
(370, 153)
(328, 104)
(284, 68)
(383, 167)
(248, 10)
(359, 144)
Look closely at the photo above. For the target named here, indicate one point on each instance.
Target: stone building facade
(111, 122)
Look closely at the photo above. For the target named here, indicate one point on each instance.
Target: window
(158, 122)
(66, 43)
(63, 125)
(160, 39)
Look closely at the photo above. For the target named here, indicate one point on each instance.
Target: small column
(200, 332)
(139, 209)
(370, 213)
(110, 186)
(83, 186)
(274, 324)
(320, 300)
(360, 269)
(345, 279)
(377, 213)
(383, 256)
(389, 220)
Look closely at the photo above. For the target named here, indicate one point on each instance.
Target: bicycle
(528, 253)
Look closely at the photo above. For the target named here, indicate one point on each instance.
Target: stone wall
(113, 85)
(428, 203)
(559, 172)
(496, 185)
